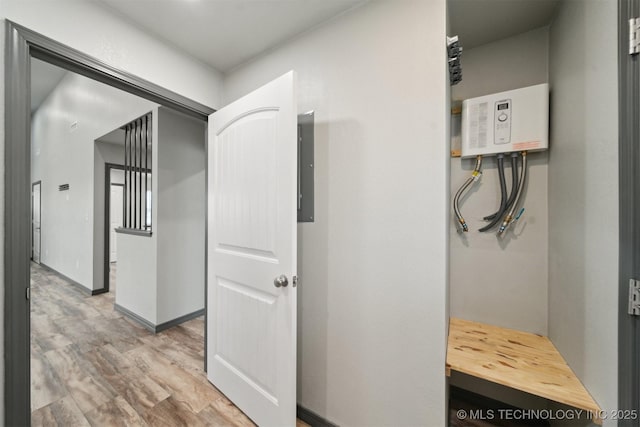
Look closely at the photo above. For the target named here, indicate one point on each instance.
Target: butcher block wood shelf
(520, 360)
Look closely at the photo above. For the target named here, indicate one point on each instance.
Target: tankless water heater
(516, 120)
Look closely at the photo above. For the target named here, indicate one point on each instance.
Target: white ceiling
(44, 78)
(226, 33)
(116, 136)
(477, 22)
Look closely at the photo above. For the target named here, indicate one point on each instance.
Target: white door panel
(251, 348)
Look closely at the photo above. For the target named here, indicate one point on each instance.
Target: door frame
(21, 44)
(629, 204)
(111, 188)
(107, 221)
(39, 182)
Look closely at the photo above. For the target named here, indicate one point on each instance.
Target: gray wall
(492, 280)
(373, 266)
(583, 193)
(181, 215)
(64, 155)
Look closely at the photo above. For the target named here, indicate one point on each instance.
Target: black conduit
(503, 196)
(511, 216)
(514, 186)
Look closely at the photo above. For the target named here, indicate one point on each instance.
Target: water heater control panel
(516, 120)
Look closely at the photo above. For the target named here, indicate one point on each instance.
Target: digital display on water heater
(503, 106)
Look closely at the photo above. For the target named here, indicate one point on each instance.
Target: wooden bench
(520, 360)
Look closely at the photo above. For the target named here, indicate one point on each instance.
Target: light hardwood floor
(92, 366)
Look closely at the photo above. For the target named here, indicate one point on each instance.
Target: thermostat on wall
(516, 120)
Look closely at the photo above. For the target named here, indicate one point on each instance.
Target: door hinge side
(28, 294)
(634, 36)
(634, 297)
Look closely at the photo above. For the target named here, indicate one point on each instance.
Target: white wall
(181, 215)
(373, 266)
(137, 275)
(64, 155)
(117, 176)
(501, 281)
(583, 194)
(137, 272)
(161, 277)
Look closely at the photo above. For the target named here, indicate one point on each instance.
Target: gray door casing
(108, 167)
(629, 179)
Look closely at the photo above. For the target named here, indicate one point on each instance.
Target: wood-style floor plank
(88, 391)
(46, 386)
(182, 385)
(115, 412)
(92, 366)
(63, 412)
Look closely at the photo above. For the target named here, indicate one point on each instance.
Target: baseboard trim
(313, 419)
(175, 322)
(161, 327)
(82, 288)
(130, 314)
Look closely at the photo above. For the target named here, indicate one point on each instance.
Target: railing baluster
(124, 205)
(137, 141)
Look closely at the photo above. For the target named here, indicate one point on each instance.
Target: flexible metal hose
(475, 175)
(510, 216)
(503, 195)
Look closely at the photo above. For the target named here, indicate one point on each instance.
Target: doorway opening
(78, 337)
(113, 214)
(22, 46)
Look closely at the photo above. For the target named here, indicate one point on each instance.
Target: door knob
(281, 281)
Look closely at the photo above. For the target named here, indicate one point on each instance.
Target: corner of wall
(583, 189)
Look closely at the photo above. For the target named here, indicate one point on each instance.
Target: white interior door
(115, 217)
(251, 315)
(36, 222)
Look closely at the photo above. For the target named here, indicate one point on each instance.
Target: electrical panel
(516, 120)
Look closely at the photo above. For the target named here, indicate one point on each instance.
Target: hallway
(92, 366)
